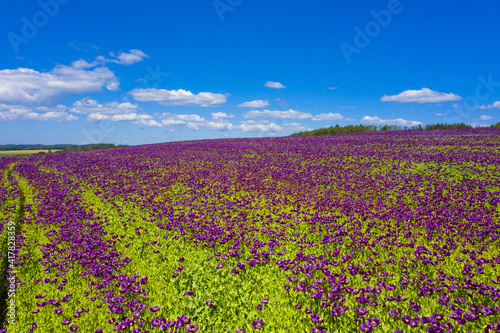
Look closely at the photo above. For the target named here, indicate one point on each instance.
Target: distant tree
(348, 129)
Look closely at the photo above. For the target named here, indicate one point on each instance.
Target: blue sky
(92, 71)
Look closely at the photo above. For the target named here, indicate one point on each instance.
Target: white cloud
(219, 126)
(177, 97)
(123, 58)
(136, 119)
(328, 116)
(41, 113)
(30, 87)
(254, 104)
(267, 126)
(27, 86)
(113, 111)
(290, 114)
(293, 127)
(495, 105)
(147, 122)
(195, 122)
(260, 126)
(190, 117)
(218, 123)
(333, 88)
(82, 64)
(130, 117)
(438, 114)
(274, 85)
(97, 117)
(424, 95)
(132, 57)
(189, 120)
(399, 122)
(88, 105)
(484, 117)
(348, 107)
(222, 115)
(172, 121)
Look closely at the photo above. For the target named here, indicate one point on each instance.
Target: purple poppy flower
(155, 322)
(415, 307)
(154, 309)
(240, 330)
(191, 328)
(374, 322)
(361, 311)
(258, 324)
(66, 321)
(259, 307)
(315, 318)
(189, 293)
(365, 328)
(117, 308)
(235, 271)
(438, 316)
(182, 321)
(219, 265)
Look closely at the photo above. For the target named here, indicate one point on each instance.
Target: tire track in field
(4, 245)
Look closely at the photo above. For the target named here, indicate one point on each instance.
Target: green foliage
(349, 129)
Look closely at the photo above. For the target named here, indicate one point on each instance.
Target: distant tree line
(89, 147)
(337, 129)
(65, 147)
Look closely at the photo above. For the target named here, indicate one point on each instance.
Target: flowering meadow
(372, 232)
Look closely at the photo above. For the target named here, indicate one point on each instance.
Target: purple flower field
(373, 232)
